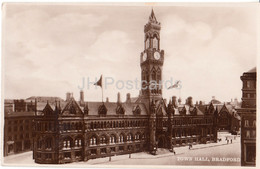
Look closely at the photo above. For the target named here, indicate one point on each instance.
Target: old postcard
(129, 84)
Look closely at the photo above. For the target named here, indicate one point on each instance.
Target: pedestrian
(109, 158)
(231, 141)
(227, 141)
(129, 155)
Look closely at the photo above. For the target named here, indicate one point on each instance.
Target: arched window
(78, 142)
(112, 139)
(102, 140)
(137, 136)
(153, 75)
(93, 141)
(158, 78)
(129, 137)
(67, 143)
(48, 143)
(155, 43)
(147, 43)
(121, 138)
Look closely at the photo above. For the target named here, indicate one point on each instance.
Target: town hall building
(73, 130)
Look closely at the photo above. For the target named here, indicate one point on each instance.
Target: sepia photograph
(129, 84)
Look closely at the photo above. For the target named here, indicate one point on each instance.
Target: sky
(50, 49)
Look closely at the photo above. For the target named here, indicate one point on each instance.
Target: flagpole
(102, 95)
(102, 87)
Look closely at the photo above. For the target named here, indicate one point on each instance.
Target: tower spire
(152, 17)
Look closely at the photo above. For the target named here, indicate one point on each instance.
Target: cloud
(49, 50)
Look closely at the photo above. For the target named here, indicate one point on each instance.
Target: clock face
(144, 57)
(157, 55)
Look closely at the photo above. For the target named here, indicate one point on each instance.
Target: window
(48, 143)
(112, 149)
(248, 84)
(137, 136)
(103, 150)
(246, 123)
(247, 134)
(67, 144)
(93, 141)
(93, 152)
(78, 154)
(121, 138)
(121, 148)
(112, 139)
(102, 140)
(129, 137)
(147, 43)
(253, 134)
(250, 153)
(254, 123)
(78, 142)
(155, 43)
(67, 156)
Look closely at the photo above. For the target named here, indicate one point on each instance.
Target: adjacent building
(248, 118)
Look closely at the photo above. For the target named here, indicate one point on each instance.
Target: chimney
(107, 99)
(68, 96)
(81, 96)
(174, 101)
(118, 98)
(128, 98)
(189, 101)
(179, 101)
(200, 103)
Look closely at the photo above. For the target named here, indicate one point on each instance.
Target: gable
(48, 111)
(72, 108)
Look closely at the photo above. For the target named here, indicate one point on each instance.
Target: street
(215, 154)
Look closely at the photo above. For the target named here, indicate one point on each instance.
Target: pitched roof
(111, 108)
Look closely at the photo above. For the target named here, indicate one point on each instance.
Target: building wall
(18, 134)
(248, 119)
(83, 137)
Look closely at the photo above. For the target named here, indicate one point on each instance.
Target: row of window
(154, 42)
(190, 121)
(115, 124)
(192, 132)
(15, 128)
(250, 134)
(17, 137)
(249, 95)
(249, 84)
(15, 122)
(112, 139)
(250, 123)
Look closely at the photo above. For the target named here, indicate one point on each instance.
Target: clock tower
(151, 62)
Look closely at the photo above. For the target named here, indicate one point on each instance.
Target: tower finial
(152, 17)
